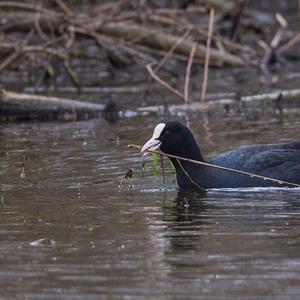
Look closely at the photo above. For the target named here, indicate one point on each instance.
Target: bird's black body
(278, 161)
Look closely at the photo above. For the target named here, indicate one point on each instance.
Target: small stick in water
(128, 175)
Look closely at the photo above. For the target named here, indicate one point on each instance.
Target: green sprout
(1, 200)
(6, 152)
(155, 164)
(50, 70)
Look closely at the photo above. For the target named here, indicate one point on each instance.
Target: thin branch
(39, 48)
(188, 175)
(71, 39)
(72, 74)
(207, 56)
(278, 36)
(188, 73)
(162, 82)
(27, 6)
(235, 30)
(292, 42)
(64, 7)
(17, 51)
(37, 26)
(172, 49)
(272, 49)
(11, 58)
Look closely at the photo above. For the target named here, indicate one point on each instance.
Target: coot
(278, 161)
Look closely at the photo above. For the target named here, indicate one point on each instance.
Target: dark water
(139, 242)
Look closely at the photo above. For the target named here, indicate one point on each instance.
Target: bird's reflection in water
(185, 219)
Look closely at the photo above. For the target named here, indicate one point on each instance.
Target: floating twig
(128, 175)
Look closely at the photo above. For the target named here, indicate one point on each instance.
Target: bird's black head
(173, 138)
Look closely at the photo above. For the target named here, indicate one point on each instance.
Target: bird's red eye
(167, 132)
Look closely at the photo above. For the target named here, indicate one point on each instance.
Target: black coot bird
(278, 161)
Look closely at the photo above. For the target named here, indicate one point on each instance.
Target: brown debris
(57, 29)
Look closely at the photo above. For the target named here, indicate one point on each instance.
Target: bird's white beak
(153, 144)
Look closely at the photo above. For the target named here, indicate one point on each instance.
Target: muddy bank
(107, 51)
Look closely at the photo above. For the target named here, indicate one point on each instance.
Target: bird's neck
(188, 173)
(184, 167)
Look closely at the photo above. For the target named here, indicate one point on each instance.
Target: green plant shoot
(155, 164)
(6, 151)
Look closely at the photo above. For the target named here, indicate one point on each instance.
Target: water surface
(60, 182)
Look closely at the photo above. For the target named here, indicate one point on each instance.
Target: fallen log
(164, 41)
(283, 95)
(28, 106)
(132, 89)
(205, 106)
